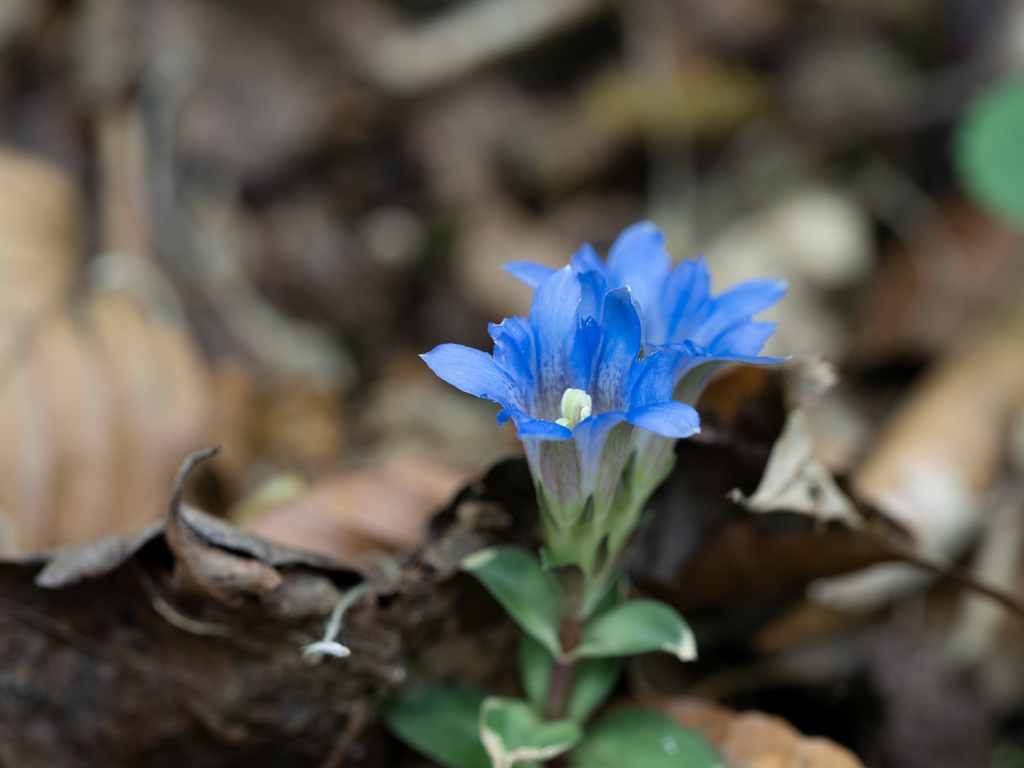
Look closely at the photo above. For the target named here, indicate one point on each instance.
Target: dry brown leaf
(100, 400)
(940, 454)
(78, 389)
(165, 670)
(382, 508)
(935, 284)
(794, 479)
(757, 740)
(39, 235)
(753, 739)
(39, 212)
(26, 471)
(713, 720)
(822, 753)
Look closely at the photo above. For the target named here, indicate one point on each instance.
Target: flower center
(576, 405)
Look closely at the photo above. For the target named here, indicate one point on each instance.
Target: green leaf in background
(988, 149)
(516, 580)
(592, 682)
(512, 732)
(635, 627)
(640, 738)
(1007, 755)
(441, 722)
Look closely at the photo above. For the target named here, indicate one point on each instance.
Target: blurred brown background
(238, 223)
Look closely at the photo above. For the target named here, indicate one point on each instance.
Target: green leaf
(535, 671)
(615, 592)
(640, 738)
(512, 732)
(635, 627)
(988, 150)
(591, 685)
(442, 723)
(593, 680)
(516, 580)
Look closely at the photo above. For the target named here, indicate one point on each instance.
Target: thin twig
(960, 575)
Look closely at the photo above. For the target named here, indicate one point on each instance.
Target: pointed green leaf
(592, 682)
(442, 723)
(638, 626)
(517, 581)
(512, 732)
(640, 738)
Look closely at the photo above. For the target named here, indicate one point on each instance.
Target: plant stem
(560, 689)
(558, 693)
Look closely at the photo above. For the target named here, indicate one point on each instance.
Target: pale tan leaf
(752, 739)
(382, 508)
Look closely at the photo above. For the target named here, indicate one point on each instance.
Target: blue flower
(578, 389)
(680, 316)
(538, 362)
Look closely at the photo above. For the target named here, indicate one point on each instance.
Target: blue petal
(687, 353)
(601, 469)
(638, 259)
(652, 380)
(529, 272)
(513, 352)
(590, 433)
(745, 339)
(554, 323)
(594, 285)
(690, 355)
(642, 317)
(671, 419)
(738, 304)
(587, 260)
(683, 302)
(529, 427)
(588, 343)
(474, 372)
(749, 359)
(616, 353)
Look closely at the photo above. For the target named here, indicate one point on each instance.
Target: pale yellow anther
(576, 406)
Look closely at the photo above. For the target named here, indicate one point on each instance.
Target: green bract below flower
(588, 379)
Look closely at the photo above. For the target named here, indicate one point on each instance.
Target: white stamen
(576, 406)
